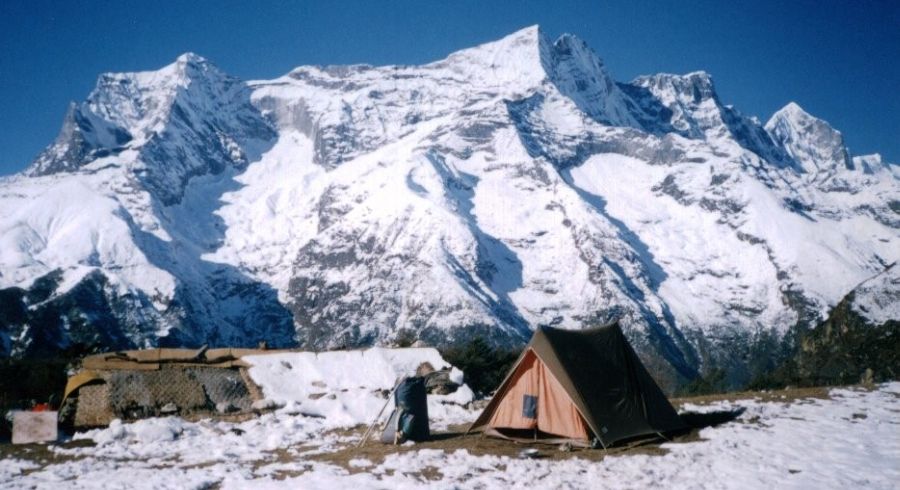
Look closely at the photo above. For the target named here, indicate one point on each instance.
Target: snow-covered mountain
(507, 186)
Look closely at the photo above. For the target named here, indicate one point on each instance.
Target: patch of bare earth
(786, 395)
(455, 438)
(42, 454)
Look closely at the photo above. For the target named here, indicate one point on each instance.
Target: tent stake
(664, 437)
(369, 430)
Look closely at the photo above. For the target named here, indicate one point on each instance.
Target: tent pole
(664, 437)
(369, 430)
(605, 452)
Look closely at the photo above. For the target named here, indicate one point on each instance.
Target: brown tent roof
(605, 380)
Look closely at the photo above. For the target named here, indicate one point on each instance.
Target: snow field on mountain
(696, 251)
(878, 298)
(706, 263)
(269, 216)
(851, 440)
(823, 260)
(74, 223)
(529, 245)
(375, 200)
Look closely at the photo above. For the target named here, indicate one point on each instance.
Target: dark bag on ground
(409, 420)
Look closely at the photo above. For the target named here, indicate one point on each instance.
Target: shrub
(484, 366)
(713, 382)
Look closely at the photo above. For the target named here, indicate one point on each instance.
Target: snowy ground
(849, 440)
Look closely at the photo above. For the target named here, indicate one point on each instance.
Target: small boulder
(225, 407)
(264, 404)
(867, 378)
(440, 383)
(424, 369)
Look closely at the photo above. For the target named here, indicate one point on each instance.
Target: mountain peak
(696, 86)
(186, 67)
(791, 111)
(512, 63)
(526, 42)
(874, 163)
(812, 142)
(191, 58)
(701, 79)
(579, 74)
(569, 45)
(793, 107)
(797, 118)
(687, 104)
(530, 34)
(191, 66)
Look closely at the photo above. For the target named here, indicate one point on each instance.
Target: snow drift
(348, 388)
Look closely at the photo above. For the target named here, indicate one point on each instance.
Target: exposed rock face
(507, 186)
(860, 340)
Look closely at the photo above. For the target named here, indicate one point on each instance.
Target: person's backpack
(409, 420)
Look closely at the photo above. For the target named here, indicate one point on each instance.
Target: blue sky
(840, 60)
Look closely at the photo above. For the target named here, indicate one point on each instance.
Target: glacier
(507, 186)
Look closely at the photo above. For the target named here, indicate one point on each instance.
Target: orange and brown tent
(578, 386)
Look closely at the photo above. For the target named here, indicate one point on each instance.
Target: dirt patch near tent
(455, 438)
(786, 396)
